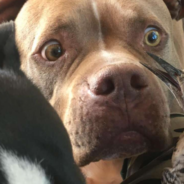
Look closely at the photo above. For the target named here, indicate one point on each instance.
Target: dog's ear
(176, 8)
(9, 56)
(9, 9)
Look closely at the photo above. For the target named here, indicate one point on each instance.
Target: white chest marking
(19, 170)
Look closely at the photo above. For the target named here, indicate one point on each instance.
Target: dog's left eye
(152, 37)
(52, 51)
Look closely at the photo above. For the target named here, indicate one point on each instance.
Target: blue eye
(152, 37)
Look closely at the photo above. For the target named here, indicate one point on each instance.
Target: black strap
(138, 176)
(124, 169)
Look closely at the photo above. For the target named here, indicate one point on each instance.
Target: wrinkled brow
(55, 29)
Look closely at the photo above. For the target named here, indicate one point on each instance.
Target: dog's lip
(126, 144)
(132, 136)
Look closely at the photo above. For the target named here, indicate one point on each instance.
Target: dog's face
(84, 56)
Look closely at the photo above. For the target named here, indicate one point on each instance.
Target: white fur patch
(20, 170)
(97, 16)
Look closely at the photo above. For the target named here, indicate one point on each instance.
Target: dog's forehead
(45, 8)
(67, 9)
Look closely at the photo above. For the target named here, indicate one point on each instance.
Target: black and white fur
(34, 145)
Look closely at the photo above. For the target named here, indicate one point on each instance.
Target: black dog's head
(33, 140)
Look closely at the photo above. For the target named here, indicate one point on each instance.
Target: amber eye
(52, 51)
(152, 37)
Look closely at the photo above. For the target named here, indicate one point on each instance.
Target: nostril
(103, 87)
(137, 82)
(107, 87)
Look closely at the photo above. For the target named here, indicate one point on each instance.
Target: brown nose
(113, 79)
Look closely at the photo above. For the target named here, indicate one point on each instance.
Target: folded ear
(9, 9)
(176, 8)
(9, 57)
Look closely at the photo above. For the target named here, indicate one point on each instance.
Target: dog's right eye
(52, 51)
(152, 37)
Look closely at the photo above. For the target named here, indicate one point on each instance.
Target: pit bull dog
(34, 145)
(84, 57)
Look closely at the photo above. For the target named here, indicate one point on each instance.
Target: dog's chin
(108, 135)
(125, 145)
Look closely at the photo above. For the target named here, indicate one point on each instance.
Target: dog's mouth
(129, 144)
(101, 144)
(132, 136)
(107, 132)
(125, 145)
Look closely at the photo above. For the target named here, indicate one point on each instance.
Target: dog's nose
(113, 79)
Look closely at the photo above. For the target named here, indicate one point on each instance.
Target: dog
(34, 145)
(84, 57)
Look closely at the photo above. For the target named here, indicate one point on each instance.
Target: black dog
(34, 145)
